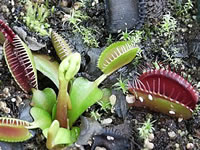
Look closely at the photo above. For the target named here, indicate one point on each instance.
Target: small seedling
(105, 105)
(134, 36)
(168, 25)
(95, 115)
(35, 19)
(109, 39)
(146, 129)
(121, 85)
(183, 10)
(75, 19)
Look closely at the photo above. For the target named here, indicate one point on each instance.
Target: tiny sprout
(95, 115)
(121, 85)
(146, 129)
(105, 105)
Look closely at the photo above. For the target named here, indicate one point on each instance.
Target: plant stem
(100, 79)
(63, 104)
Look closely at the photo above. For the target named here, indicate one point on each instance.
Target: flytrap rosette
(19, 59)
(164, 91)
(14, 130)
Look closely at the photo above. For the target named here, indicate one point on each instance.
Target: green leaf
(83, 94)
(45, 99)
(56, 135)
(47, 66)
(53, 114)
(63, 136)
(75, 132)
(51, 134)
(42, 118)
(116, 55)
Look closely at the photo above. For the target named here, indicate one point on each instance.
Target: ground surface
(179, 49)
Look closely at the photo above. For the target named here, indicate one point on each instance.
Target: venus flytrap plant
(83, 93)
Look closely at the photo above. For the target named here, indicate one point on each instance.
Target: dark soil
(186, 39)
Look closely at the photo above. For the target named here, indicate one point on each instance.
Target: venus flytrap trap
(174, 95)
(19, 59)
(62, 48)
(14, 130)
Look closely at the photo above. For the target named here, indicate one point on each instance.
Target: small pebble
(2, 105)
(164, 130)
(18, 100)
(151, 137)
(172, 134)
(4, 9)
(190, 146)
(106, 121)
(100, 148)
(13, 100)
(190, 25)
(177, 145)
(7, 110)
(112, 99)
(130, 99)
(110, 138)
(180, 119)
(148, 144)
(6, 91)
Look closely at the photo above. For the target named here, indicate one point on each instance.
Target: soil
(169, 133)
